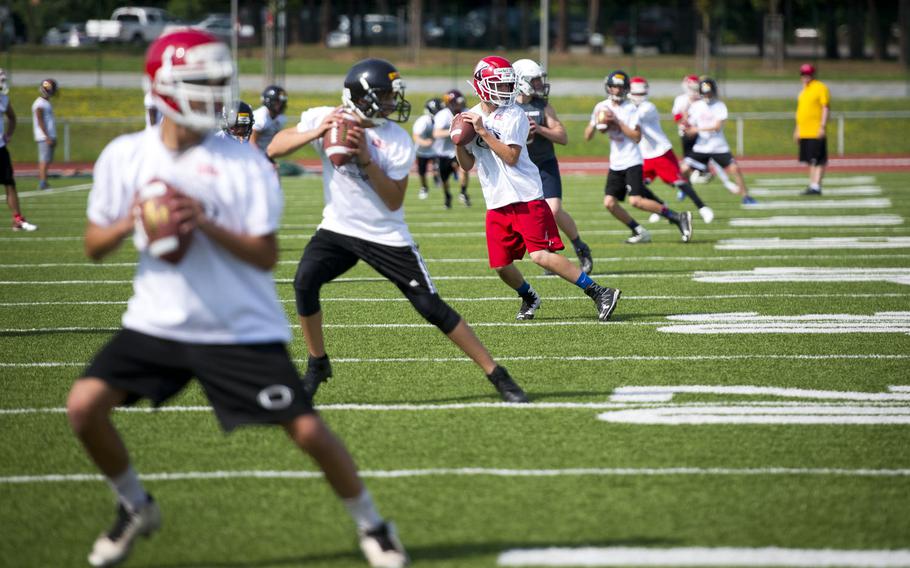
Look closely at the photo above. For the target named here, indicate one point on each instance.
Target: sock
(690, 193)
(669, 214)
(634, 226)
(129, 489)
(18, 218)
(583, 281)
(464, 189)
(424, 188)
(578, 243)
(523, 289)
(363, 511)
(815, 186)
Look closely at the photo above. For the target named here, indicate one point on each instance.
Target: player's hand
(477, 121)
(189, 214)
(821, 132)
(358, 136)
(51, 142)
(691, 131)
(533, 128)
(796, 136)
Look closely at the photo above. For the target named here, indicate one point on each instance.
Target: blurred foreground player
(214, 314)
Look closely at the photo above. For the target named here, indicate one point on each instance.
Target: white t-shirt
(4, 105)
(423, 128)
(681, 106)
(352, 206)
(149, 103)
(654, 143)
(49, 125)
(503, 184)
(443, 147)
(706, 113)
(624, 153)
(210, 296)
(266, 126)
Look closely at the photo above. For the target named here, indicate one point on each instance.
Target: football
(157, 204)
(461, 132)
(605, 120)
(337, 147)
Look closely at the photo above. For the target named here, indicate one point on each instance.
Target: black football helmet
(707, 87)
(454, 100)
(275, 99)
(48, 88)
(617, 79)
(433, 106)
(374, 90)
(238, 122)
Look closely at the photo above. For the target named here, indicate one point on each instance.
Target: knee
(610, 203)
(308, 432)
(635, 200)
(435, 311)
(306, 290)
(82, 407)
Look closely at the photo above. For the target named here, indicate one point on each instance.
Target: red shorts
(665, 167)
(517, 227)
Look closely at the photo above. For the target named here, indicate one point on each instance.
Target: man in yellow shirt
(812, 112)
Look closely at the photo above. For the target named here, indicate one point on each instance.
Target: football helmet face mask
(48, 88)
(707, 87)
(433, 106)
(4, 82)
(617, 86)
(494, 81)
(275, 99)
(190, 75)
(454, 100)
(374, 90)
(531, 79)
(238, 122)
(690, 85)
(638, 90)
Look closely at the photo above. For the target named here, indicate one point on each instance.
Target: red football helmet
(690, 84)
(638, 90)
(494, 81)
(807, 69)
(190, 75)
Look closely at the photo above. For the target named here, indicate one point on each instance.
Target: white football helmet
(526, 71)
(638, 90)
(190, 75)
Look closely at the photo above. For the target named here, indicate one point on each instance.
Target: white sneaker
(114, 546)
(24, 225)
(424, 193)
(382, 547)
(654, 218)
(732, 187)
(707, 215)
(641, 235)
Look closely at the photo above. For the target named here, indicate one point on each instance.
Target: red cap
(807, 69)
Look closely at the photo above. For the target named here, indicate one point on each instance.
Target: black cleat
(605, 299)
(810, 191)
(507, 387)
(448, 202)
(529, 305)
(584, 258)
(318, 370)
(463, 197)
(112, 547)
(684, 224)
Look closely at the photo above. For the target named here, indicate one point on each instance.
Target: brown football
(157, 204)
(605, 120)
(336, 144)
(461, 132)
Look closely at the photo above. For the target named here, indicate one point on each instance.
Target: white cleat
(641, 236)
(24, 225)
(424, 193)
(707, 215)
(382, 548)
(114, 546)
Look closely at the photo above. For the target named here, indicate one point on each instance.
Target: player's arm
(713, 127)
(822, 129)
(39, 118)
(290, 139)
(391, 191)
(422, 142)
(10, 122)
(100, 240)
(508, 153)
(555, 130)
(633, 134)
(465, 158)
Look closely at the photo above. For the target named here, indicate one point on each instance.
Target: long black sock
(690, 193)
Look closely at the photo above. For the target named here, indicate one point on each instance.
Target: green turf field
(464, 478)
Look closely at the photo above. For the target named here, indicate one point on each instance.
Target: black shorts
(813, 151)
(700, 161)
(328, 255)
(628, 181)
(423, 164)
(245, 383)
(6, 168)
(687, 144)
(447, 168)
(550, 178)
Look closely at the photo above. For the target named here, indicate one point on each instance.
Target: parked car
(68, 34)
(219, 25)
(367, 29)
(130, 24)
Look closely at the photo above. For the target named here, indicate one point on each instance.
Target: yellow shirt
(812, 100)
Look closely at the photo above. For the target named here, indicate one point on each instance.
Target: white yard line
(701, 556)
(803, 181)
(752, 322)
(817, 221)
(870, 203)
(812, 414)
(806, 274)
(814, 243)
(55, 191)
(840, 191)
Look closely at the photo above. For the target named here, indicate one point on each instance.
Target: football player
(518, 219)
(269, 118)
(238, 122)
(363, 218)
(152, 116)
(656, 149)
(214, 315)
(44, 128)
(706, 121)
(618, 118)
(444, 148)
(546, 129)
(422, 132)
(7, 178)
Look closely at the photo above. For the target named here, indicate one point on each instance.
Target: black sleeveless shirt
(540, 149)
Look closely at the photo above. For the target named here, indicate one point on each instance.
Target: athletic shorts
(518, 227)
(628, 181)
(423, 164)
(447, 168)
(6, 168)
(700, 161)
(665, 167)
(687, 145)
(245, 383)
(45, 152)
(550, 178)
(813, 151)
